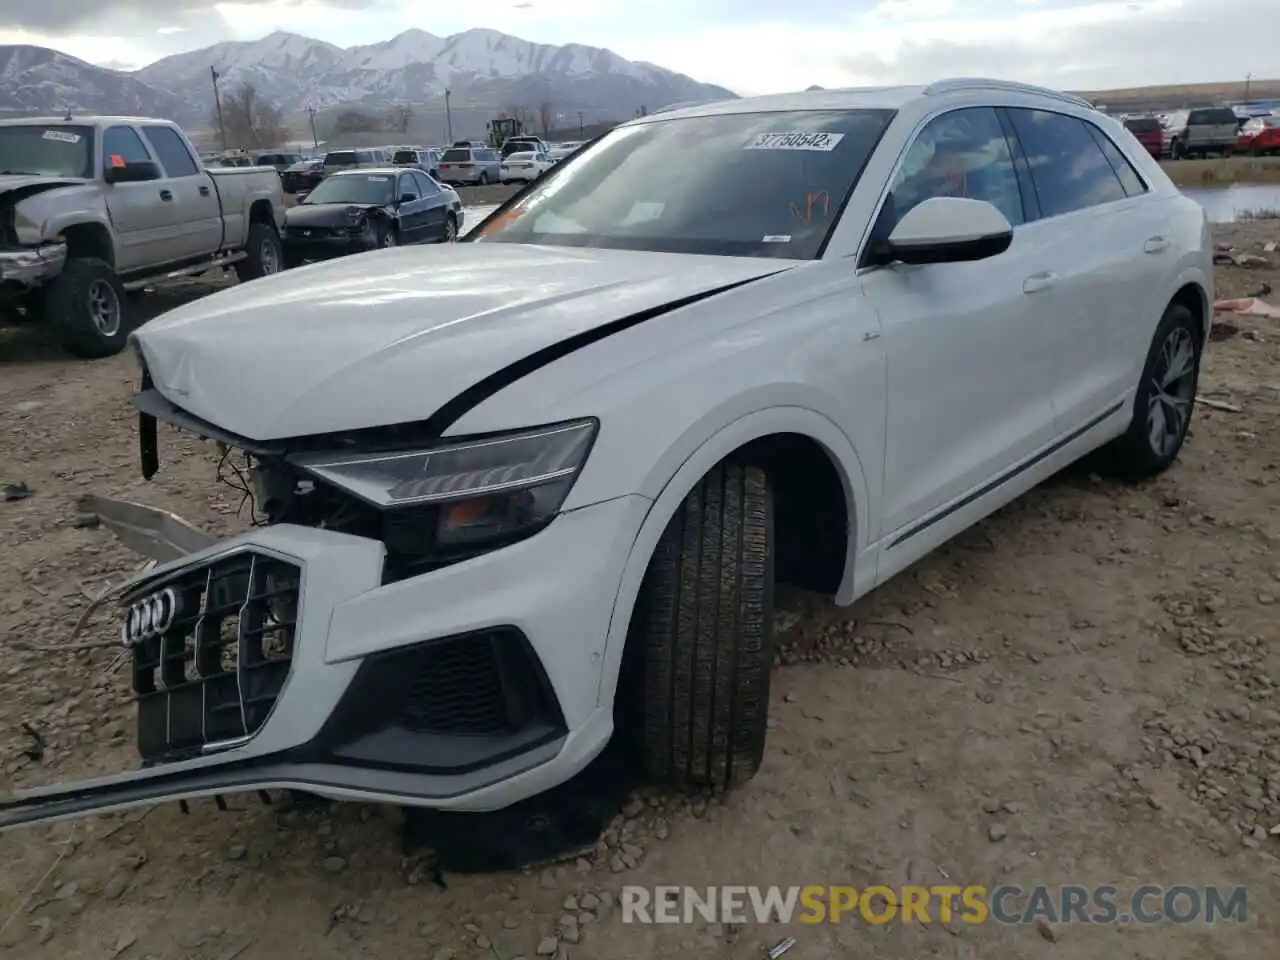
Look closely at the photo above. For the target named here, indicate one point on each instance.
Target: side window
(121, 145)
(1129, 179)
(408, 188)
(173, 153)
(1069, 169)
(425, 184)
(963, 153)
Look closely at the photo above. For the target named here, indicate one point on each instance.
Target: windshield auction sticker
(820, 142)
(62, 136)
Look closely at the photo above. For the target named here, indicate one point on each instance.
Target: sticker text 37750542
(817, 141)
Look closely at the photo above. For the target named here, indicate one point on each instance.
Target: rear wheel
(1165, 400)
(450, 229)
(701, 643)
(263, 254)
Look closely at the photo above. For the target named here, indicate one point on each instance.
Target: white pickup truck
(94, 208)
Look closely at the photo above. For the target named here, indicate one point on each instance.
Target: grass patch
(1222, 172)
(1259, 213)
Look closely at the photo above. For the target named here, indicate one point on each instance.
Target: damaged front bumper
(279, 659)
(27, 267)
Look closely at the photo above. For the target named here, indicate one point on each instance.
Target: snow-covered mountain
(481, 68)
(39, 80)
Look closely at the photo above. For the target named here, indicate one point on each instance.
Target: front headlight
(482, 490)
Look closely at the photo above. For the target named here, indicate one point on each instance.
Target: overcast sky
(750, 46)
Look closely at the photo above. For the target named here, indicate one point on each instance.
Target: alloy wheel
(1173, 384)
(104, 308)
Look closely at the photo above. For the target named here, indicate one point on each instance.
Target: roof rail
(957, 84)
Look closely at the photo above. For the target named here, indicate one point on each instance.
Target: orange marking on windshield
(811, 201)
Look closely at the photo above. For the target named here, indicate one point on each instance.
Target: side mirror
(136, 171)
(950, 230)
(407, 198)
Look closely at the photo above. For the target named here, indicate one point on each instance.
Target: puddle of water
(1225, 204)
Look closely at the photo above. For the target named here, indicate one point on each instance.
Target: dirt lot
(1081, 690)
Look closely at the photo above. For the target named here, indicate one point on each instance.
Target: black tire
(1136, 455)
(386, 236)
(1177, 150)
(450, 229)
(77, 304)
(484, 178)
(265, 254)
(702, 635)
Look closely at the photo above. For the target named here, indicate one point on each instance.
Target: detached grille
(214, 674)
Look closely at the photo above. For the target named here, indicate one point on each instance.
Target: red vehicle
(1149, 133)
(1260, 136)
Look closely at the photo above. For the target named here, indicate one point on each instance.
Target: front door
(967, 347)
(144, 223)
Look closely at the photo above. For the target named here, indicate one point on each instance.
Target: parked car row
(1203, 131)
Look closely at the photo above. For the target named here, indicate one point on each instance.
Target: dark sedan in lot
(365, 209)
(303, 176)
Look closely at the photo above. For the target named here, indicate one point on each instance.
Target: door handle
(1038, 282)
(166, 196)
(204, 191)
(1156, 245)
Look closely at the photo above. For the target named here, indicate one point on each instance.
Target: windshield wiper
(19, 173)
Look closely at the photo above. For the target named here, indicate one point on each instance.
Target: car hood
(323, 214)
(33, 183)
(391, 336)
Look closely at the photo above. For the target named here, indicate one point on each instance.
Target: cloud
(751, 46)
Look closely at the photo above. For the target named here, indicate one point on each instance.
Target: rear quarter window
(1144, 125)
(1213, 116)
(340, 156)
(456, 156)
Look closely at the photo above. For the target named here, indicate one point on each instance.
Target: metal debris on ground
(15, 491)
(1219, 405)
(781, 947)
(1250, 306)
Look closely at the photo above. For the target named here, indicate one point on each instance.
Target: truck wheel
(1179, 150)
(86, 306)
(703, 634)
(264, 254)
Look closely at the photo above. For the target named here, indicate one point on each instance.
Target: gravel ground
(1082, 689)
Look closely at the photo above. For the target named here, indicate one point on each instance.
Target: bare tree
(399, 117)
(250, 121)
(546, 114)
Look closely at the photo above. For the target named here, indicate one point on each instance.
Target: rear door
(198, 227)
(144, 223)
(1103, 245)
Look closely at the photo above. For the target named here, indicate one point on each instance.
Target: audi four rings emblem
(150, 617)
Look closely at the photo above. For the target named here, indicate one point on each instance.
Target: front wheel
(263, 254)
(702, 635)
(386, 236)
(86, 306)
(1165, 399)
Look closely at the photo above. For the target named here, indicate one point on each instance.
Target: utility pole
(1248, 79)
(217, 102)
(315, 140)
(448, 115)
(579, 123)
